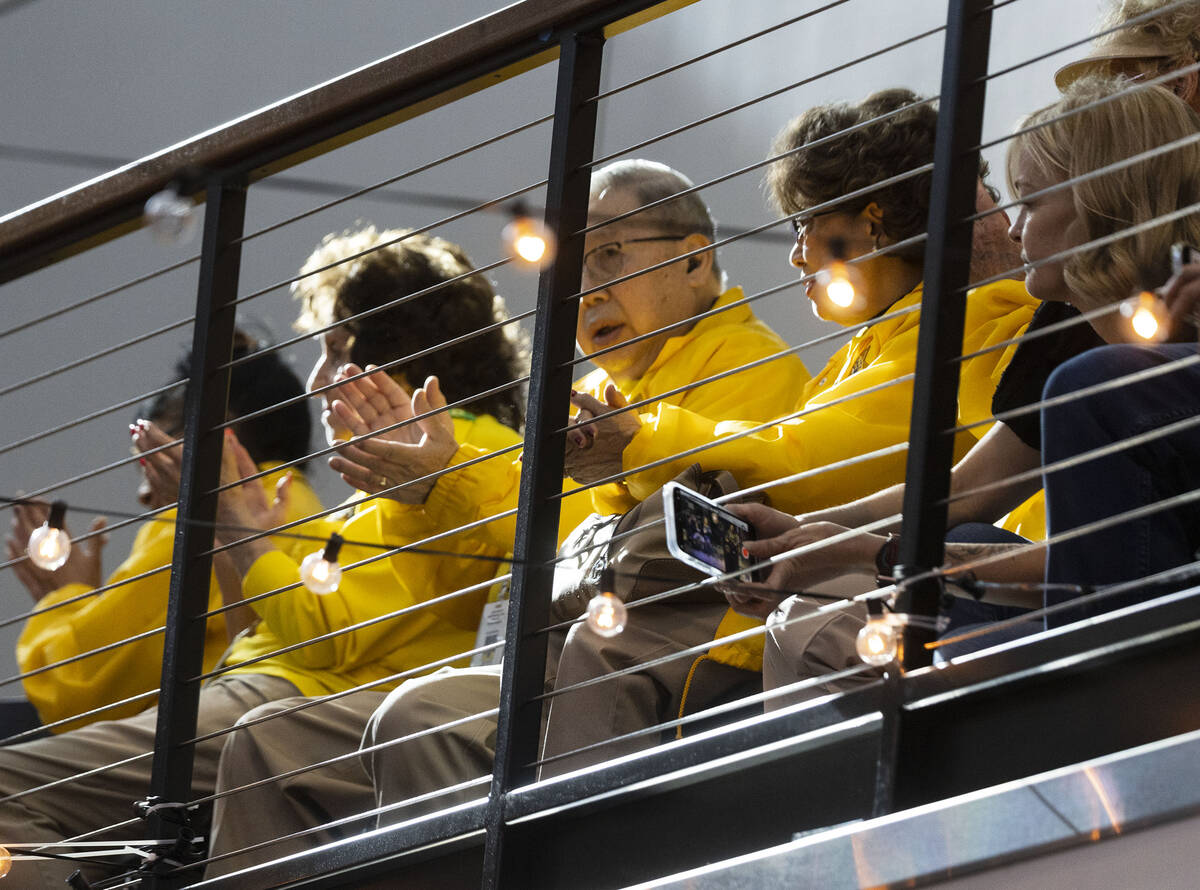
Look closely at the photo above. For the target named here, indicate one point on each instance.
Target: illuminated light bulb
(170, 217)
(320, 571)
(835, 278)
(877, 641)
(527, 239)
(49, 546)
(5, 861)
(606, 615)
(840, 280)
(1146, 315)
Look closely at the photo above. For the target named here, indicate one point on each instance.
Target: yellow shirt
(715, 344)
(135, 604)
(374, 585)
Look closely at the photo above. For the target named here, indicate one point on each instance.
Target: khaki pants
(105, 797)
(799, 648)
(434, 760)
(613, 707)
(261, 814)
(261, 819)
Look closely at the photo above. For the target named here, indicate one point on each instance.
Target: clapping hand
(398, 457)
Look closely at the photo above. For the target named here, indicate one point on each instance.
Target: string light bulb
(170, 216)
(49, 545)
(840, 280)
(878, 640)
(606, 615)
(526, 239)
(320, 571)
(1146, 314)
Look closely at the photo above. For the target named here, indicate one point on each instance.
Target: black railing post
(204, 410)
(571, 150)
(943, 307)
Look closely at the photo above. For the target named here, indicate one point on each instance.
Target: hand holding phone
(703, 534)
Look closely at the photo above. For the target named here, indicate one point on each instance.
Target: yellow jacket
(851, 408)
(135, 604)
(715, 344)
(374, 585)
(848, 409)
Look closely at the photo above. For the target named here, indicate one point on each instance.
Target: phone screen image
(705, 535)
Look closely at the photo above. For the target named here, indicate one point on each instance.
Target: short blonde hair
(1098, 122)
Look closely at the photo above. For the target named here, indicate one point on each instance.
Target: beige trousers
(115, 755)
(255, 819)
(594, 714)
(433, 759)
(803, 648)
(258, 824)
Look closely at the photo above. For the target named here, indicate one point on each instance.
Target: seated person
(612, 313)
(375, 627)
(1112, 122)
(859, 404)
(72, 618)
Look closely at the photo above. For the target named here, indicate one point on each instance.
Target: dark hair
(856, 160)
(386, 266)
(261, 382)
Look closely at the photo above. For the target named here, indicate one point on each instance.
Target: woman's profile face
(1045, 225)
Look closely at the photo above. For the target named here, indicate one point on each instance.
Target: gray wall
(122, 78)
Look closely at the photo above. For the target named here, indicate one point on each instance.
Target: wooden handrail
(457, 63)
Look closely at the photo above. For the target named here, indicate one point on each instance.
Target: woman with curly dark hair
(394, 298)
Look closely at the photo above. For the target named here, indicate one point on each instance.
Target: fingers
(614, 397)
(98, 540)
(357, 475)
(1182, 293)
(398, 399)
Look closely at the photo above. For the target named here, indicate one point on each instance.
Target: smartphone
(703, 534)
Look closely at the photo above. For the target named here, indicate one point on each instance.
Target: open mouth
(607, 334)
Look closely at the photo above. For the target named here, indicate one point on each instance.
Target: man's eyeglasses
(609, 261)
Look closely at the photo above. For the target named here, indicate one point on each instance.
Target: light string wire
(957, 569)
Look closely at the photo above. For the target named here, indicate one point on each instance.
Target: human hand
(245, 507)
(835, 551)
(160, 458)
(401, 457)
(83, 565)
(1181, 294)
(595, 448)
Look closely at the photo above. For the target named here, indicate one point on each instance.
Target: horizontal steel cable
(392, 180)
(100, 296)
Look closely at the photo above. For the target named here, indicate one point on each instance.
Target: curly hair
(844, 162)
(1100, 121)
(364, 269)
(1175, 29)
